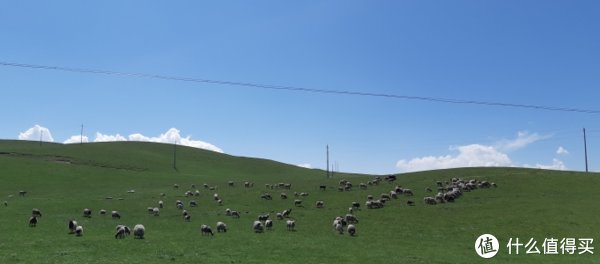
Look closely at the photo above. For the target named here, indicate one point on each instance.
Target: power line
(301, 89)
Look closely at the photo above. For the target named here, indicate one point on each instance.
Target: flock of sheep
(448, 191)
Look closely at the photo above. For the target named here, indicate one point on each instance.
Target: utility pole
(81, 135)
(585, 150)
(327, 149)
(175, 156)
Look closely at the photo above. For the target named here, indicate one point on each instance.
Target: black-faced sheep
(206, 230)
(139, 231)
(160, 204)
(320, 204)
(79, 230)
(235, 214)
(286, 213)
(297, 202)
(87, 213)
(339, 228)
(356, 205)
(323, 188)
(429, 200)
(279, 216)
(283, 195)
(263, 217)
(33, 221)
(72, 226)
(291, 225)
(102, 211)
(193, 203)
(221, 227)
(155, 211)
(351, 229)
(258, 227)
(269, 224)
(230, 183)
(122, 231)
(187, 217)
(350, 218)
(266, 196)
(36, 212)
(115, 215)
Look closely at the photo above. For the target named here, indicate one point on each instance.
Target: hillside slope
(62, 180)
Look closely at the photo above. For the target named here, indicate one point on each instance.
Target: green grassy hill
(62, 180)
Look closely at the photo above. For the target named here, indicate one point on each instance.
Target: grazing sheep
(393, 194)
(122, 231)
(206, 230)
(175, 186)
(410, 203)
(230, 183)
(139, 231)
(163, 194)
(385, 196)
(263, 217)
(33, 221)
(247, 184)
(340, 188)
(429, 189)
(115, 215)
(205, 186)
(188, 194)
(350, 210)
(193, 186)
(323, 188)
(279, 216)
(286, 213)
(79, 230)
(350, 218)
(220, 202)
(408, 192)
(291, 225)
(197, 193)
(235, 214)
(179, 204)
(351, 229)
(150, 209)
(216, 196)
(36, 212)
(102, 211)
(160, 204)
(269, 224)
(187, 218)
(228, 212)
(87, 213)
(339, 228)
(131, 191)
(184, 213)
(266, 196)
(356, 205)
(22, 193)
(221, 227)
(283, 195)
(155, 211)
(72, 226)
(320, 204)
(5, 203)
(297, 202)
(193, 203)
(258, 227)
(494, 185)
(429, 200)
(303, 194)
(369, 197)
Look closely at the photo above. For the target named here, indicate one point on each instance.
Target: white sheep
(187, 218)
(221, 227)
(258, 227)
(139, 231)
(228, 212)
(351, 229)
(291, 224)
(206, 230)
(102, 211)
(33, 221)
(320, 204)
(87, 213)
(193, 203)
(155, 211)
(122, 231)
(72, 226)
(235, 214)
(339, 228)
(115, 215)
(160, 204)
(36, 212)
(79, 230)
(269, 224)
(297, 202)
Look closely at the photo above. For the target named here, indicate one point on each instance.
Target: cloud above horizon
(171, 136)
(478, 155)
(562, 151)
(35, 133)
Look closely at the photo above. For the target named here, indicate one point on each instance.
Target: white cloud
(35, 132)
(556, 165)
(523, 139)
(76, 139)
(474, 155)
(305, 165)
(108, 138)
(172, 136)
(562, 151)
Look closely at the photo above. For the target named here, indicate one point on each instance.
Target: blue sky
(522, 52)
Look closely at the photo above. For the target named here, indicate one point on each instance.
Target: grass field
(62, 180)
